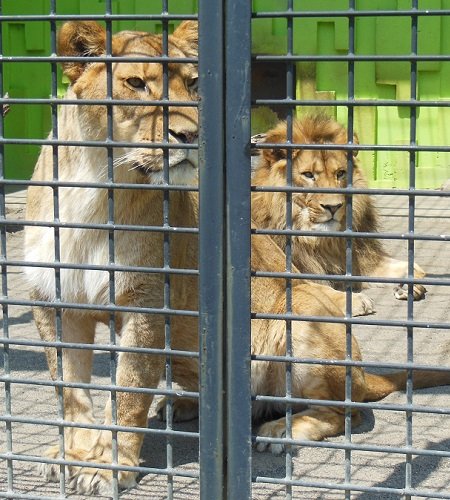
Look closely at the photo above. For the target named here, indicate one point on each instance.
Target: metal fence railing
(234, 295)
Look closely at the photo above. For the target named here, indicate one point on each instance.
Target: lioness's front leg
(76, 367)
(134, 370)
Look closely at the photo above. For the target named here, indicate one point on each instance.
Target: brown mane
(317, 255)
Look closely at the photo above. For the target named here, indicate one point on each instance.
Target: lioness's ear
(187, 33)
(80, 39)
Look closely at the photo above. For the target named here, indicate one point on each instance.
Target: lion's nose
(184, 137)
(332, 208)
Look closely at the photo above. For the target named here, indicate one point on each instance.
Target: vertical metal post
(224, 144)
(411, 212)
(237, 174)
(211, 250)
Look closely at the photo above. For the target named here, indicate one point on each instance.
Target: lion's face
(322, 169)
(141, 81)
(310, 169)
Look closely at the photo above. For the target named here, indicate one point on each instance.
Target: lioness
(136, 248)
(323, 211)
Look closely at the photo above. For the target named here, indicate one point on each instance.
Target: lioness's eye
(137, 83)
(340, 174)
(192, 84)
(308, 175)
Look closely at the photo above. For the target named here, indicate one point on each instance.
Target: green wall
(322, 80)
(373, 80)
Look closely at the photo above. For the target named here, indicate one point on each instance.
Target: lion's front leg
(134, 370)
(393, 268)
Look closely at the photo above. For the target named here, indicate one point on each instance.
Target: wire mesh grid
(354, 468)
(401, 448)
(116, 293)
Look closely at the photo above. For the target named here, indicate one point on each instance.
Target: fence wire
(400, 449)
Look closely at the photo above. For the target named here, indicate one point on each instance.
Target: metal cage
(401, 449)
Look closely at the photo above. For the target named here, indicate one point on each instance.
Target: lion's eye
(308, 175)
(340, 174)
(137, 83)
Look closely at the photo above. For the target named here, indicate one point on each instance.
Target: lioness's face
(311, 169)
(141, 81)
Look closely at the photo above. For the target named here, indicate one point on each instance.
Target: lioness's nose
(184, 137)
(332, 208)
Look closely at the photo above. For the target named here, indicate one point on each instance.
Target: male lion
(83, 246)
(323, 211)
(310, 341)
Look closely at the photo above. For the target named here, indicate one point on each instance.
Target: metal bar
(349, 251)
(350, 13)
(237, 174)
(57, 250)
(166, 249)
(411, 211)
(4, 287)
(355, 487)
(290, 94)
(211, 249)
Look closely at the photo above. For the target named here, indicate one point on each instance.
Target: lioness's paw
(362, 305)
(50, 472)
(86, 480)
(92, 481)
(183, 409)
(401, 292)
(274, 429)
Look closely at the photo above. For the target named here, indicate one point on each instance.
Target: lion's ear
(187, 34)
(80, 39)
(276, 136)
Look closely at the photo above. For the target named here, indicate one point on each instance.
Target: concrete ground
(431, 431)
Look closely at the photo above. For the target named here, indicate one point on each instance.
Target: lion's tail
(380, 386)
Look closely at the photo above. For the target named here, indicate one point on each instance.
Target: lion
(323, 211)
(81, 238)
(310, 341)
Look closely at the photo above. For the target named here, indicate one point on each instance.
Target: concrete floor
(317, 465)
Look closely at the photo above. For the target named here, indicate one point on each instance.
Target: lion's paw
(362, 305)
(50, 472)
(274, 429)
(401, 292)
(183, 409)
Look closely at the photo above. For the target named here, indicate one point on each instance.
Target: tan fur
(323, 211)
(309, 341)
(144, 248)
(141, 125)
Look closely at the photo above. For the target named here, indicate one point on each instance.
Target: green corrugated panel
(323, 80)
(380, 80)
(33, 80)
